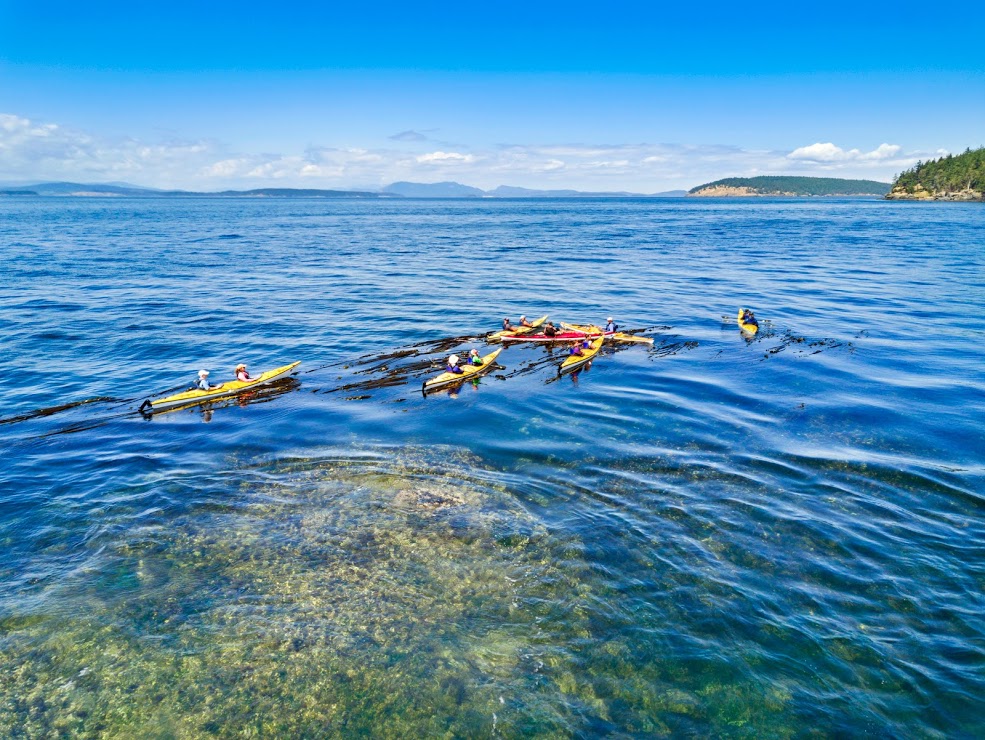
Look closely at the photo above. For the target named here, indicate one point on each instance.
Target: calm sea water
(775, 537)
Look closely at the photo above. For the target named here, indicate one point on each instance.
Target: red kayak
(562, 336)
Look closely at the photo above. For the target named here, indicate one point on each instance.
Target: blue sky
(600, 96)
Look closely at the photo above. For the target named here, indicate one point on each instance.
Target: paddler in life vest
(203, 382)
(507, 326)
(524, 322)
(611, 326)
(474, 358)
(748, 317)
(550, 330)
(241, 374)
(452, 366)
(577, 347)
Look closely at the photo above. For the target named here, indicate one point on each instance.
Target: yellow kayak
(619, 336)
(574, 362)
(751, 328)
(197, 395)
(496, 336)
(468, 371)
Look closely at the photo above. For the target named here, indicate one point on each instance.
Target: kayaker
(576, 349)
(550, 330)
(611, 326)
(452, 366)
(203, 382)
(241, 374)
(507, 326)
(749, 318)
(474, 358)
(524, 322)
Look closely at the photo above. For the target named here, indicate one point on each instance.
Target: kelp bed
(341, 597)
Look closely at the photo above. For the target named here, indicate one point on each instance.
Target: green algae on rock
(407, 595)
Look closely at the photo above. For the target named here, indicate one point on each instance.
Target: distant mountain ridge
(395, 190)
(457, 190)
(784, 185)
(433, 190)
(104, 190)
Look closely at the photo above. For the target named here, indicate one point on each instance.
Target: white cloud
(822, 153)
(830, 153)
(33, 151)
(618, 164)
(883, 151)
(444, 157)
(37, 151)
(224, 168)
(15, 127)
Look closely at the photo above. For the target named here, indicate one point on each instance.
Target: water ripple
(715, 536)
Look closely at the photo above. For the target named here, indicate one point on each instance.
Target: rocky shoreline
(729, 191)
(723, 191)
(921, 193)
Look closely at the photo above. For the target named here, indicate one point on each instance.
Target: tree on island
(795, 185)
(946, 175)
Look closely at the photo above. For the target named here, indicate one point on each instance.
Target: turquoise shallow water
(714, 536)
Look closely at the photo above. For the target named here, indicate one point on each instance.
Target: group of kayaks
(570, 333)
(590, 339)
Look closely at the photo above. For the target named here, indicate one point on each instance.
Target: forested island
(788, 186)
(948, 178)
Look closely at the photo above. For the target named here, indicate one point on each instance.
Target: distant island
(788, 186)
(948, 178)
(457, 190)
(102, 190)
(396, 190)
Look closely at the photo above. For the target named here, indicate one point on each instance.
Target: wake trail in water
(786, 339)
(371, 373)
(52, 410)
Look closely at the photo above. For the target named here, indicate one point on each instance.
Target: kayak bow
(197, 395)
(619, 336)
(564, 336)
(468, 371)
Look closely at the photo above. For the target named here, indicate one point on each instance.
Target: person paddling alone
(611, 326)
(203, 382)
(550, 330)
(242, 375)
(749, 318)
